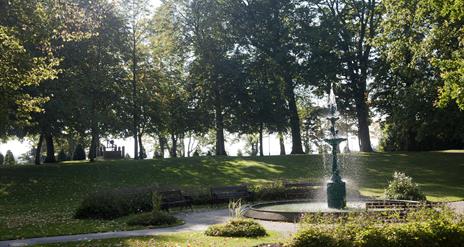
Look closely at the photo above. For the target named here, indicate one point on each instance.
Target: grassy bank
(40, 200)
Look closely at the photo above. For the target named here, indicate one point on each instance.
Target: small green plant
(403, 188)
(156, 201)
(9, 159)
(62, 156)
(154, 218)
(79, 153)
(237, 228)
(235, 208)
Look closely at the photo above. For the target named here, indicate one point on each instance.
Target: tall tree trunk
(134, 95)
(362, 114)
(282, 144)
(261, 149)
(141, 148)
(174, 146)
(181, 145)
(50, 149)
(220, 146)
(162, 143)
(38, 151)
(297, 147)
(189, 150)
(94, 145)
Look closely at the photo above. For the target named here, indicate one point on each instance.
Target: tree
(2, 158)
(352, 26)
(407, 81)
(216, 74)
(137, 20)
(25, 61)
(96, 77)
(269, 29)
(9, 159)
(170, 100)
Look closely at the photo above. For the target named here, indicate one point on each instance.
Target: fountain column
(336, 187)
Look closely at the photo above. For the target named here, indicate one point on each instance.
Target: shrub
(115, 203)
(425, 227)
(62, 156)
(277, 191)
(9, 159)
(269, 191)
(2, 158)
(237, 228)
(403, 188)
(79, 153)
(313, 236)
(155, 218)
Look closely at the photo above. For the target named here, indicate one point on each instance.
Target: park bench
(227, 193)
(174, 198)
(300, 189)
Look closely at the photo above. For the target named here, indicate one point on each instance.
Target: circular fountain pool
(292, 211)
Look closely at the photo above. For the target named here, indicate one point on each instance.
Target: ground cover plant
(32, 195)
(156, 218)
(424, 227)
(237, 227)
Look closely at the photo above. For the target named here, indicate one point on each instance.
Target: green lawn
(192, 239)
(40, 200)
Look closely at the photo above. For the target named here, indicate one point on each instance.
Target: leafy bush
(79, 153)
(403, 188)
(9, 159)
(425, 227)
(115, 203)
(277, 191)
(154, 218)
(62, 156)
(237, 228)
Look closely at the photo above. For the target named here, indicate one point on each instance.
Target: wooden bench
(174, 198)
(226, 193)
(299, 189)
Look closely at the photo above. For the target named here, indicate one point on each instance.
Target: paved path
(196, 221)
(457, 206)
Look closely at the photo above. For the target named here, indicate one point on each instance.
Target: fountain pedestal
(336, 194)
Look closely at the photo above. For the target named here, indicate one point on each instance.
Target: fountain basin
(292, 211)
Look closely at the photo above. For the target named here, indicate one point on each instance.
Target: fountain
(336, 203)
(336, 187)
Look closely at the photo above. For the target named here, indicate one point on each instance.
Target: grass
(191, 239)
(40, 200)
